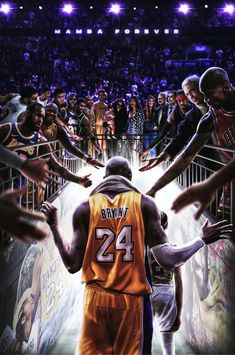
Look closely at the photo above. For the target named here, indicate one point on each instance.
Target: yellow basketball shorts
(112, 323)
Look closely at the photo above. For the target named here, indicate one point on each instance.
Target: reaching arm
(72, 253)
(204, 192)
(62, 171)
(72, 149)
(161, 135)
(169, 256)
(17, 221)
(181, 162)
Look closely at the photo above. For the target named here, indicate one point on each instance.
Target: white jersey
(12, 110)
(43, 103)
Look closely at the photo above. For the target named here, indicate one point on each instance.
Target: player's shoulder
(148, 205)
(14, 100)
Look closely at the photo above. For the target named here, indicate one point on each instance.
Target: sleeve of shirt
(184, 134)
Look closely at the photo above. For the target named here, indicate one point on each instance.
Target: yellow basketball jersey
(115, 252)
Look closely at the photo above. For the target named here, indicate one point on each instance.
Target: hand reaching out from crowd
(196, 193)
(94, 162)
(18, 221)
(84, 180)
(151, 163)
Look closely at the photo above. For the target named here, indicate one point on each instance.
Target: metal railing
(201, 168)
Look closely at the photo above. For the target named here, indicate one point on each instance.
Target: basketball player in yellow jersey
(110, 232)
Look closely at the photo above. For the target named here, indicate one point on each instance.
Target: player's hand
(212, 233)
(95, 163)
(84, 180)
(17, 220)
(37, 171)
(151, 163)
(195, 193)
(50, 212)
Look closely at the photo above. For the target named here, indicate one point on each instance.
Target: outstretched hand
(84, 180)
(212, 233)
(195, 193)
(151, 163)
(19, 221)
(95, 163)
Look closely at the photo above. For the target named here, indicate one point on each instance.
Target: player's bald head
(118, 166)
(212, 78)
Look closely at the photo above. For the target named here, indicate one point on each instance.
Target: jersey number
(123, 242)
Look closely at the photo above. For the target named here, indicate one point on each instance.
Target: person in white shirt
(18, 104)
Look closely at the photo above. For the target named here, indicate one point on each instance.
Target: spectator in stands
(150, 123)
(18, 104)
(187, 127)
(218, 123)
(161, 112)
(27, 133)
(44, 98)
(135, 127)
(171, 101)
(120, 122)
(60, 101)
(52, 131)
(89, 110)
(99, 109)
(84, 127)
(169, 128)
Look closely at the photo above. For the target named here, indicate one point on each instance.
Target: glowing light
(67, 9)
(115, 9)
(5, 8)
(40, 7)
(134, 8)
(176, 31)
(229, 9)
(21, 7)
(206, 6)
(184, 8)
(91, 7)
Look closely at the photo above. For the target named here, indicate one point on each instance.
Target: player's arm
(64, 139)
(72, 253)
(72, 149)
(166, 255)
(181, 162)
(62, 171)
(204, 192)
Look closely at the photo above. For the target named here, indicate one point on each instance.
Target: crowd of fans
(116, 64)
